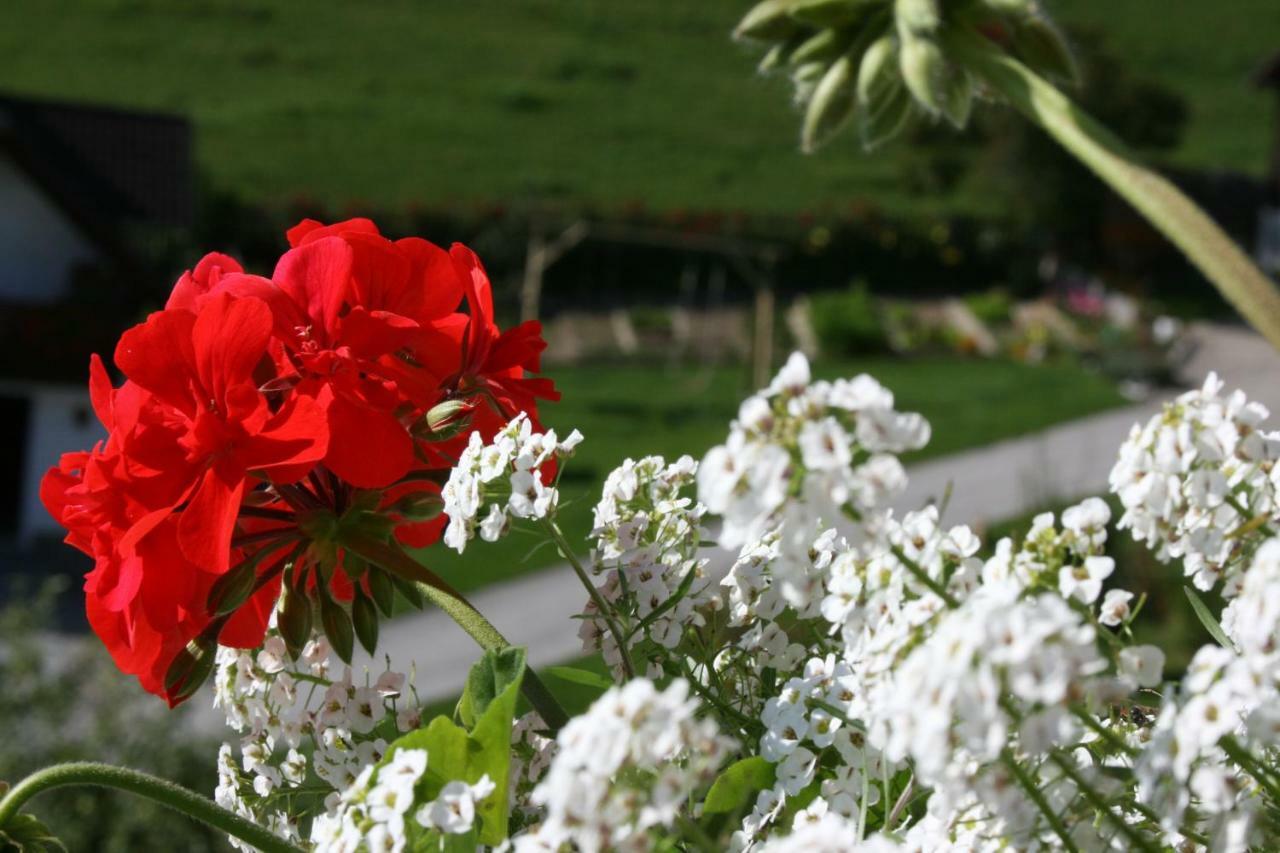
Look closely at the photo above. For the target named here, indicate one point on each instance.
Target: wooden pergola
(754, 260)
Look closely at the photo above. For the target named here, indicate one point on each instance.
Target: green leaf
(573, 675)
(454, 754)
(433, 841)
(1207, 619)
(737, 784)
(24, 833)
(491, 675)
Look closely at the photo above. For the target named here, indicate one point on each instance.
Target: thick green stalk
(452, 602)
(158, 790)
(1164, 205)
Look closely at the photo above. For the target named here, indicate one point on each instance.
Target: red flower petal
(158, 356)
(368, 448)
(206, 525)
(316, 276)
(229, 338)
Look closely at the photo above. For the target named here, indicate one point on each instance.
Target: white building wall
(61, 419)
(39, 246)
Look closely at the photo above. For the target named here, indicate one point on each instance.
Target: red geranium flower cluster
(260, 419)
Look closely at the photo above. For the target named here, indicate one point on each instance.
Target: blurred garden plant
(885, 64)
(849, 678)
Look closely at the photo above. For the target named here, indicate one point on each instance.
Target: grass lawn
(637, 410)
(592, 101)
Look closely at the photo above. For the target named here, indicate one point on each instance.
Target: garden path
(992, 483)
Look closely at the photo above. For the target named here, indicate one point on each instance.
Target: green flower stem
(1115, 741)
(1136, 838)
(452, 602)
(557, 536)
(144, 785)
(1164, 205)
(1037, 796)
(923, 576)
(1263, 775)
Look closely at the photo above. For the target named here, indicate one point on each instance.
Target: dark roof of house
(106, 167)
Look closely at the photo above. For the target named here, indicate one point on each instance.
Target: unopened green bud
(810, 73)
(884, 106)
(776, 57)
(364, 616)
(418, 506)
(879, 68)
(1010, 7)
(382, 589)
(233, 589)
(190, 669)
(822, 47)
(957, 101)
(769, 20)
(917, 17)
(446, 414)
(1042, 46)
(880, 121)
(831, 105)
(925, 71)
(337, 627)
(295, 621)
(829, 13)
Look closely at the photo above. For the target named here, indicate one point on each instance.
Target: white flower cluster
(1224, 719)
(646, 540)
(1195, 474)
(897, 640)
(506, 475)
(624, 768)
(808, 450)
(804, 730)
(287, 711)
(906, 689)
(531, 755)
(372, 812)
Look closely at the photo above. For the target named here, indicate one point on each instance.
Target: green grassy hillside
(401, 102)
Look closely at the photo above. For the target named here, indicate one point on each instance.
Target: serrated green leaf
(454, 754)
(491, 675)
(25, 833)
(573, 675)
(737, 784)
(1207, 619)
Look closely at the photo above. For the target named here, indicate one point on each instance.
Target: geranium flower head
(266, 422)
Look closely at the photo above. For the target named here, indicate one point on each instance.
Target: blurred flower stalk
(883, 65)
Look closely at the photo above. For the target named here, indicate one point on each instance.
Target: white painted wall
(61, 420)
(39, 246)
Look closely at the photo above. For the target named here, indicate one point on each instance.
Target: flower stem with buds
(452, 602)
(1037, 796)
(1164, 205)
(149, 787)
(557, 536)
(1136, 838)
